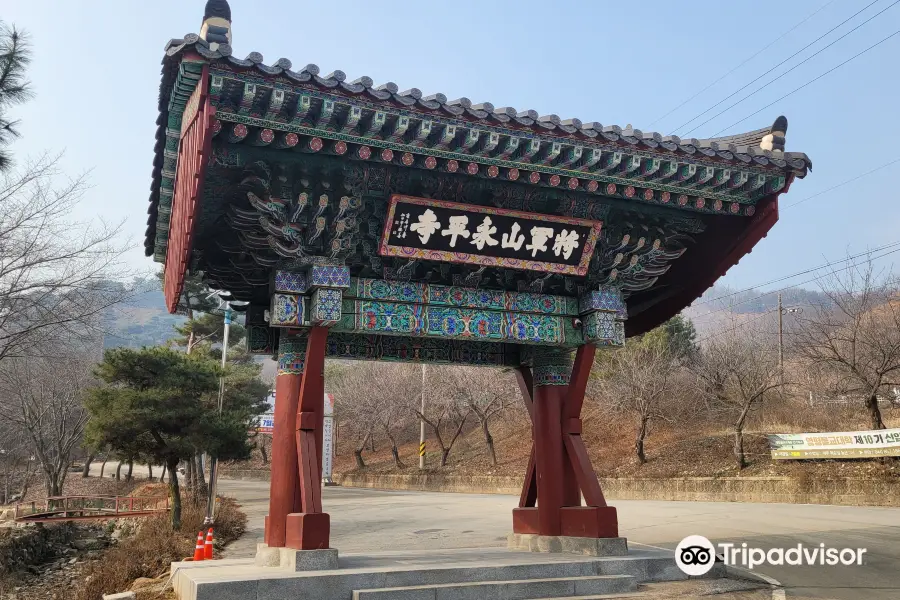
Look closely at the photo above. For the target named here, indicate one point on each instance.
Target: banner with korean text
(845, 444)
(328, 439)
(265, 424)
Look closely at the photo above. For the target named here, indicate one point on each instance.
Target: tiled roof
(739, 149)
(741, 146)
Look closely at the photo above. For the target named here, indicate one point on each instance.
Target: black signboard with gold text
(426, 229)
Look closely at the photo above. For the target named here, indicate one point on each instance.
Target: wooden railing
(61, 508)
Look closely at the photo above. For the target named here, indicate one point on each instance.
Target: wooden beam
(581, 371)
(526, 386)
(528, 497)
(584, 471)
(309, 442)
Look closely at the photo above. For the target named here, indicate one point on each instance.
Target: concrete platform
(568, 544)
(460, 574)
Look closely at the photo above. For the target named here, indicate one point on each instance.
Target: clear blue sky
(97, 64)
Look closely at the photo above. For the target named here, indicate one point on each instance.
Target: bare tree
(445, 414)
(356, 407)
(736, 370)
(57, 276)
(17, 466)
(374, 398)
(396, 386)
(855, 335)
(486, 392)
(43, 396)
(639, 381)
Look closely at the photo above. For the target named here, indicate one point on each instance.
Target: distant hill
(753, 301)
(721, 305)
(143, 321)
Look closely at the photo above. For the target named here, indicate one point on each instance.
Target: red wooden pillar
(548, 456)
(309, 528)
(559, 470)
(284, 488)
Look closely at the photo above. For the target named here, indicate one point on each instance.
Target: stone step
(528, 589)
(243, 579)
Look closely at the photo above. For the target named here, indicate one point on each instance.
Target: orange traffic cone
(208, 554)
(199, 550)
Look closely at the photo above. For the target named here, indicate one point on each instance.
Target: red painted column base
(559, 471)
(525, 520)
(590, 521)
(577, 521)
(308, 531)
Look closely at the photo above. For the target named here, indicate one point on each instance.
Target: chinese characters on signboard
(462, 233)
(850, 444)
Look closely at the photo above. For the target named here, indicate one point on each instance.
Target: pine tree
(15, 55)
(206, 328)
(160, 405)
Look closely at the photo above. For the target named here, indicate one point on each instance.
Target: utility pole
(422, 424)
(781, 344)
(781, 312)
(213, 462)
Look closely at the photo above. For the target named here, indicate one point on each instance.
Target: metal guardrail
(69, 508)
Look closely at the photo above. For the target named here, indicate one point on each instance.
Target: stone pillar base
(296, 560)
(568, 544)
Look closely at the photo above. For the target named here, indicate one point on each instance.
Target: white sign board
(328, 439)
(265, 424)
(845, 444)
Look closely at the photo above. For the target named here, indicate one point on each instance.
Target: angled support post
(559, 471)
(308, 527)
(528, 498)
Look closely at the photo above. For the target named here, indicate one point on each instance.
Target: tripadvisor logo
(695, 555)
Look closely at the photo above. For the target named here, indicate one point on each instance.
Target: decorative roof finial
(216, 28)
(775, 139)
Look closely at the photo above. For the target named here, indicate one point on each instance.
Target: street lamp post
(213, 462)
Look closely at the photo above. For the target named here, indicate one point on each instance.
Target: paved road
(139, 471)
(373, 520)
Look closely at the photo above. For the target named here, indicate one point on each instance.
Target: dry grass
(154, 546)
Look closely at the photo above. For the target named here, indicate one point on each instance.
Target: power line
(757, 53)
(804, 272)
(818, 277)
(769, 293)
(834, 187)
(776, 66)
(855, 56)
(799, 64)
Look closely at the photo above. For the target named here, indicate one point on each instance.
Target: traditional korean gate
(362, 222)
(441, 324)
